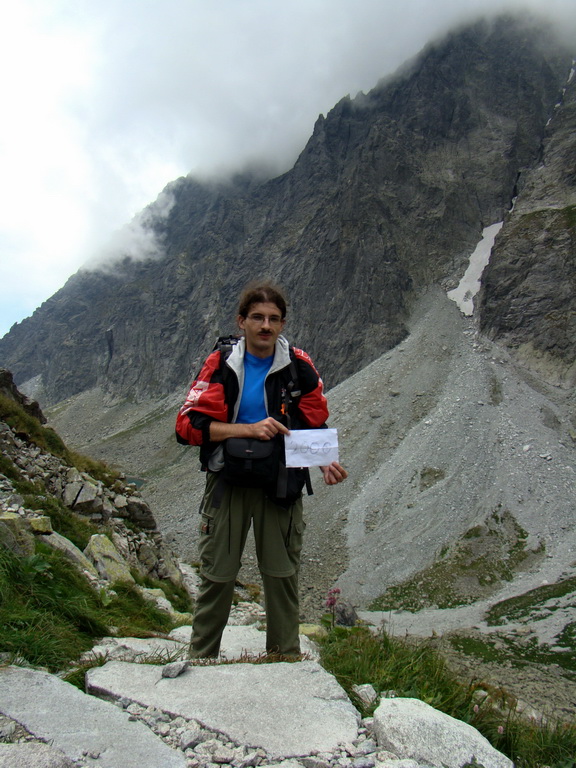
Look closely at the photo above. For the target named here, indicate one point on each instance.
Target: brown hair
(261, 291)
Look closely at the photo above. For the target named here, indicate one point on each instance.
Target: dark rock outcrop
(9, 389)
(528, 296)
(390, 193)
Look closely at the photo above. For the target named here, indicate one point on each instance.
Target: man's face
(261, 327)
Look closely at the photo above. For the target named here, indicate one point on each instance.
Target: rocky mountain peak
(389, 195)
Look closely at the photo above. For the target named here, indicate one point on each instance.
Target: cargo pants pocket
(206, 540)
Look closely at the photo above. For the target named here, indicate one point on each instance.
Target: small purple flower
(332, 597)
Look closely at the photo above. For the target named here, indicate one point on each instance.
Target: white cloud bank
(105, 103)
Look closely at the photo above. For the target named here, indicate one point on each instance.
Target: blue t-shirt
(252, 405)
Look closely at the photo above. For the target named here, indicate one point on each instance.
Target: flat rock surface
(413, 729)
(82, 727)
(32, 755)
(288, 709)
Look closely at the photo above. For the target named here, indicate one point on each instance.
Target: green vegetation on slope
(65, 521)
(50, 615)
(523, 606)
(49, 440)
(356, 656)
(473, 567)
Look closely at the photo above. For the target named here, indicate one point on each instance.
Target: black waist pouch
(252, 463)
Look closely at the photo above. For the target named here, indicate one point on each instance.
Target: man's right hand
(267, 428)
(261, 430)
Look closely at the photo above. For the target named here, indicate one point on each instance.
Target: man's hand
(334, 473)
(262, 430)
(267, 428)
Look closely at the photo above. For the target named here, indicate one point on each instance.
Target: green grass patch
(49, 614)
(9, 469)
(135, 616)
(429, 476)
(356, 656)
(28, 426)
(550, 219)
(496, 391)
(567, 638)
(569, 214)
(148, 421)
(520, 608)
(77, 676)
(518, 652)
(178, 597)
(471, 568)
(14, 474)
(67, 523)
(35, 497)
(99, 470)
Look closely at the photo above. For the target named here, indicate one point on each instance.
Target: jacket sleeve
(313, 405)
(204, 403)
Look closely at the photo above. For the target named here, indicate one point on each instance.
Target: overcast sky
(106, 101)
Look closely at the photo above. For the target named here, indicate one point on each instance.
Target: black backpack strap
(225, 345)
(293, 385)
(282, 482)
(309, 490)
(292, 389)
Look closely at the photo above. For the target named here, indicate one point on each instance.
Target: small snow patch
(469, 286)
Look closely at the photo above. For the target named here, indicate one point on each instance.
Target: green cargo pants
(223, 532)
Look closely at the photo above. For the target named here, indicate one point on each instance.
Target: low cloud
(140, 239)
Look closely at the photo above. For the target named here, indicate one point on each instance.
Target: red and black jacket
(216, 392)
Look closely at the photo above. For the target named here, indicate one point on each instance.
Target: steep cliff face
(528, 298)
(390, 194)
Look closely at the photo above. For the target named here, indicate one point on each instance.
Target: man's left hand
(334, 473)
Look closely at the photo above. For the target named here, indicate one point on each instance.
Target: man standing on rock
(246, 397)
